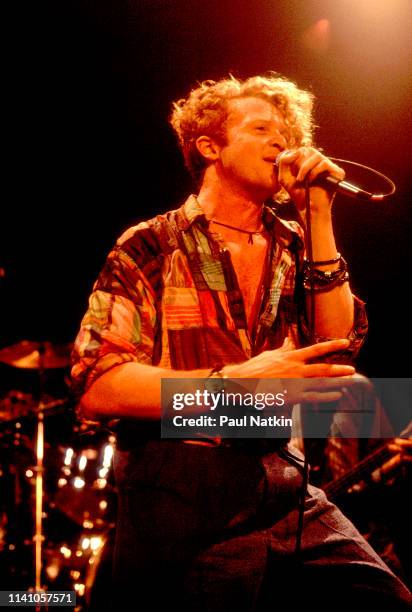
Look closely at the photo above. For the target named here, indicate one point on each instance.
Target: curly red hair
(204, 113)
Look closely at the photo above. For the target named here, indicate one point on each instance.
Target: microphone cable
(305, 478)
(362, 194)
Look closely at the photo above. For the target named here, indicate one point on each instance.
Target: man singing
(219, 287)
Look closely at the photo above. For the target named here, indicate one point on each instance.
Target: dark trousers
(213, 529)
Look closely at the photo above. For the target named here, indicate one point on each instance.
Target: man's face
(256, 133)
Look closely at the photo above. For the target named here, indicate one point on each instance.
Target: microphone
(346, 188)
(331, 183)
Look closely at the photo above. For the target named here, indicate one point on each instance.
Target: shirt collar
(285, 232)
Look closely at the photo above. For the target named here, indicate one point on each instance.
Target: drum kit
(57, 494)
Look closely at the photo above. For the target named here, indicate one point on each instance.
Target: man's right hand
(285, 362)
(291, 363)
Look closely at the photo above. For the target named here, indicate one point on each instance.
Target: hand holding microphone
(322, 172)
(303, 167)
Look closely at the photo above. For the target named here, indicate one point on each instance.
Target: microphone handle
(342, 186)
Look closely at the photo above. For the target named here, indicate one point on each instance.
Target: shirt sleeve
(356, 335)
(119, 325)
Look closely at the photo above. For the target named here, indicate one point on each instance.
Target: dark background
(92, 153)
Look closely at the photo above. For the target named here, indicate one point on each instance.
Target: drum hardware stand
(29, 355)
(39, 469)
(38, 537)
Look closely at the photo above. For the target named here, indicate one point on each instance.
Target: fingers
(320, 398)
(321, 370)
(336, 383)
(287, 157)
(314, 165)
(314, 389)
(321, 349)
(286, 169)
(307, 162)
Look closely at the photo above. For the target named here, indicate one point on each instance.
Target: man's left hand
(307, 163)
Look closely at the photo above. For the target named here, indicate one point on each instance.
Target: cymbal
(20, 407)
(30, 355)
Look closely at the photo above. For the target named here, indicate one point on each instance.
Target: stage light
(317, 37)
(66, 552)
(85, 543)
(82, 463)
(68, 456)
(107, 455)
(78, 483)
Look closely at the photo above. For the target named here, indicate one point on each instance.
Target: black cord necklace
(238, 229)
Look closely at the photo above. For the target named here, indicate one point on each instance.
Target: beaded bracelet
(324, 280)
(326, 262)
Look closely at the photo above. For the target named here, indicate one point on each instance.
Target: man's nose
(278, 142)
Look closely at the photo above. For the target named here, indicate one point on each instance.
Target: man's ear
(208, 148)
